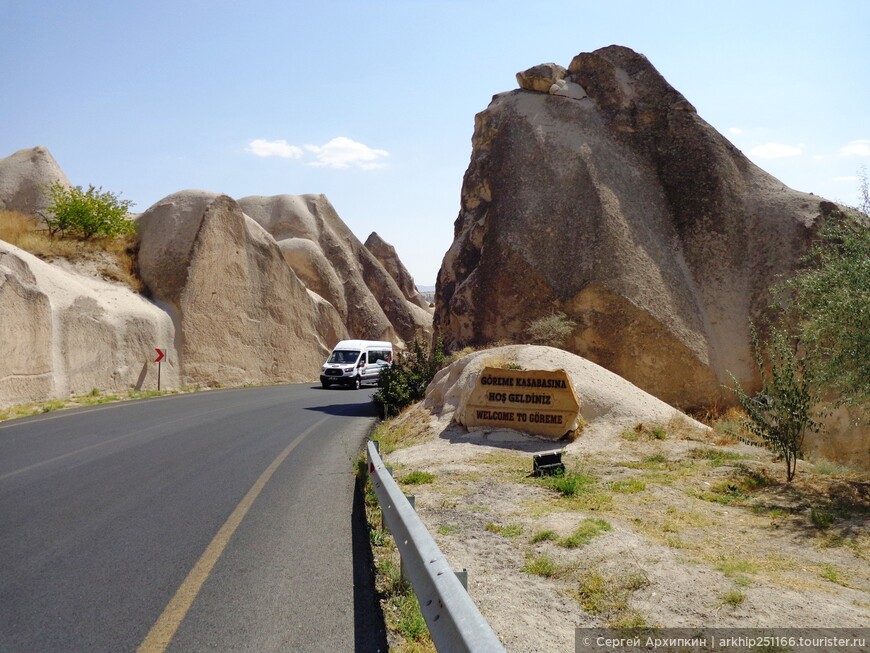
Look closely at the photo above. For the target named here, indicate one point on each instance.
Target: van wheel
(325, 384)
(357, 383)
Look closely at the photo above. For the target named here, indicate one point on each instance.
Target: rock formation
(387, 256)
(626, 211)
(241, 313)
(66, 334)
(24, 179)
(332, 262)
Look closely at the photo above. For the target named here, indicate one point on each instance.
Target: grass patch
(418, 477)
(629, 486)
(737, 489)
(585, 532)
(540, 566)
(716, 457)
(544, 536)
(392, 434)
(733, 598)
(821, 518)
(570, 484)
(507, 530)
(93, 398)
(448, 529)
(646, 432)
(608, 595)
(831, 573)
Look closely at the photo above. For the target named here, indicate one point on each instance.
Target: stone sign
(536, 401)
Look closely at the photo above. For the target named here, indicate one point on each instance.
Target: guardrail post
(463, 577)
(413, 501)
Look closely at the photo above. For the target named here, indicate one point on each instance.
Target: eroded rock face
(66, 334)
(334, 264)
(630, 214)
(242, 314)
(387, 256)
(541, 77)
(25, 177)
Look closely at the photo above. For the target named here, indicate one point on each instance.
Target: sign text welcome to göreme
(535, 401)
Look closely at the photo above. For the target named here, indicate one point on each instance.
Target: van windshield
(343, 357)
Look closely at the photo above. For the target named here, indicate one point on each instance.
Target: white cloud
(775, 151)
(342, 152)
(735, 130)
(860, 147)
(264, 148)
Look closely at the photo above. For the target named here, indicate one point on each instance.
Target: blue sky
(373, 103)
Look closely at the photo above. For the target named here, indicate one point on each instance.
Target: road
(215, 521)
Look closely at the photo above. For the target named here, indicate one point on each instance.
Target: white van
(354, 362)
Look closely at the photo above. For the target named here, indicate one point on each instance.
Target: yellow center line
(167, 624)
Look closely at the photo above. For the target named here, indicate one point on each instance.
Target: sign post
(161, 354)
(542, 402)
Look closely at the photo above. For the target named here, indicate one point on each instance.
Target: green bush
(830, 303)
(405, 382)
(779, 415)
(87, 214)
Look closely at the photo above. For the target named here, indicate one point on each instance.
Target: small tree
(405, 382)
(551, 330)
(87, 214)
(780, 414)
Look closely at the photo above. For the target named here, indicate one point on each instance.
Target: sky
(373, 103)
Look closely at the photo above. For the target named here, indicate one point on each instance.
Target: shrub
(87, 214)
(551, 330)
(405, 382)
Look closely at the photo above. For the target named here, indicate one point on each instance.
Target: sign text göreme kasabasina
(535, 401)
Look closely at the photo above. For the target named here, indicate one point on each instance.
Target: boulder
(632, 216)
(333, 263)
(25, 177)
(387, 256)
(67, 334)
(241, 314)
(541, 77)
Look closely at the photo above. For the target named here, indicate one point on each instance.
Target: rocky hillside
(599, 192)
(255, 291)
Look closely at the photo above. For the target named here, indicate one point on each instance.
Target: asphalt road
(218, 521)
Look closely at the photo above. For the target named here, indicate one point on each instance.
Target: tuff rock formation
(65, 333)
(387, 256)
(332, 262)
(25, 177)
(241, 314)
(626, 211)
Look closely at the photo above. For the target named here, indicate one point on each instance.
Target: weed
(733, 598)
(821, 518)
(418, 478)
(585, 531)
(609, 595)
(829, 468)
(508, 530)
(654, 432)
(570, 484)
(716, 457)
(629, 486)
(544, 536)
(831, 573)
(448, 529)
(540, 566)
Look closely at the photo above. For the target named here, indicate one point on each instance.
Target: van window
(379, 355)
(343, 357)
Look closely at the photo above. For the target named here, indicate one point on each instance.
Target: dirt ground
(670, 525)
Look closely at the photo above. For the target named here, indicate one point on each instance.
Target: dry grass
(114, 259)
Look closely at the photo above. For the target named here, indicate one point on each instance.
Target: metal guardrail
(454, 622)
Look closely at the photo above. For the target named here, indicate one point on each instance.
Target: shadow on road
(357, 405)
(369, 632)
